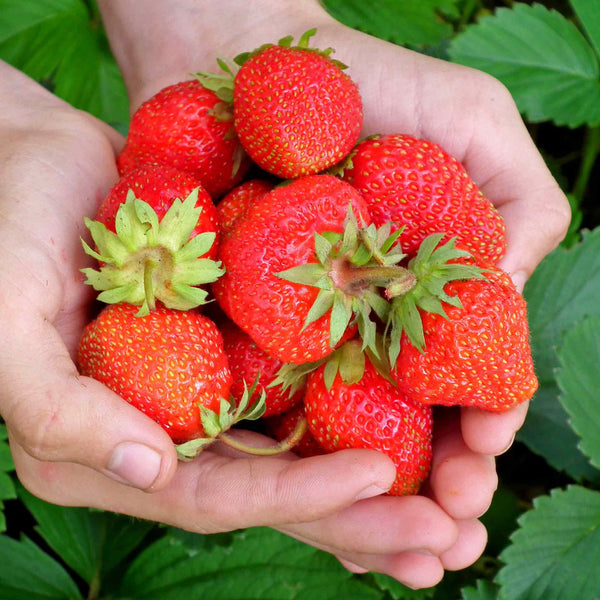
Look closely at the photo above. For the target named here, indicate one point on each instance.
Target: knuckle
(39, 426)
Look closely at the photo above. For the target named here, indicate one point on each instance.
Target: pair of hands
(74, 442)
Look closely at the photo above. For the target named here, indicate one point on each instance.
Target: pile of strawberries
(355, 281)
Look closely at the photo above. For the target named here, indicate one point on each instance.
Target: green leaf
(92, 543)
(579, 382)
(556, 551)
(542, 58)
(416, 23)
(562, 291)
(59, 41)
(400, 592)
(7, 487)
(26, 572)
(588, 13)
(260, 563)
(547, 432)
(485, 590)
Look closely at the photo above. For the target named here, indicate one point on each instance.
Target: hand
(76, 443)
(468, 113)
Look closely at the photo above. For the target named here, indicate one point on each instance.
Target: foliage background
(544, 524)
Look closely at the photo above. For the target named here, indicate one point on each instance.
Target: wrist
(158, 42)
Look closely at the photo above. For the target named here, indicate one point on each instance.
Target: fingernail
(519, 278)
(508, 446)
(369, 492)
(136, 464)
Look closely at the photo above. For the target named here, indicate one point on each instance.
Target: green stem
(353, 280)
(94, 590)
(283, 446)
(591, 149)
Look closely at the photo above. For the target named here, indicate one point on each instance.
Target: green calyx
(351, 268)
(147, 260)
(216, 424)
(222, 83)
(433, 267)
(288, 42)
(348, 361)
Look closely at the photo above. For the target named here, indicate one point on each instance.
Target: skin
(76, 443)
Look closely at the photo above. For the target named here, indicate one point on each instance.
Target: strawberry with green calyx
(167, 364)
(186, 126)
(160, 186)
(300, 277)
(295, 111)
(148, 259)
(416, 183)
(472, 342)
(374, 414)
(248, 362)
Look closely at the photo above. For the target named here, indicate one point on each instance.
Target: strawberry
(374, 414)
(295, 276)
(281, 427)
(186, 126)
(167, 364)
(467, 344)
(296, 112)
(236, 203)
(418, 185)
(249, 364)
(159, 186)
(159, 246)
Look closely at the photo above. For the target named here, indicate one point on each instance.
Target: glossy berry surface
(420, 187)
(165, 364)
(372, 414)
(296, 112)
(181, 126)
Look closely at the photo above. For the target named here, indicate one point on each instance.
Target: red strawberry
(296, 112)
(249, 364)
(373, 414)
(167, 364)
(158, 246)
(469, 346)
(159, 186)
(302, 314)
(236, 203)
(187, 127)
(281, 426)
(425, 190)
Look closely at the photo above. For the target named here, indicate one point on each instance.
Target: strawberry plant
(544, 522)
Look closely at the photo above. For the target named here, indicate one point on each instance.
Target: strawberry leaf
(579, 380)
(61, 43)
(27, 572)
(555, 551)
(92, 543)
(7, 487)
(417, 23)
(259, 563)
(542, 58)
(562, 291)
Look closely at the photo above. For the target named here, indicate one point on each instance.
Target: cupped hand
(76, 443)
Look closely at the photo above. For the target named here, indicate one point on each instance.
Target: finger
(462, 481)
(353, 568)
(491, 433)
(381, 526)
(56, 415)
(470, 545)
(216, 493)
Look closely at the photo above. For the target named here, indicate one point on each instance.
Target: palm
(71, 178)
